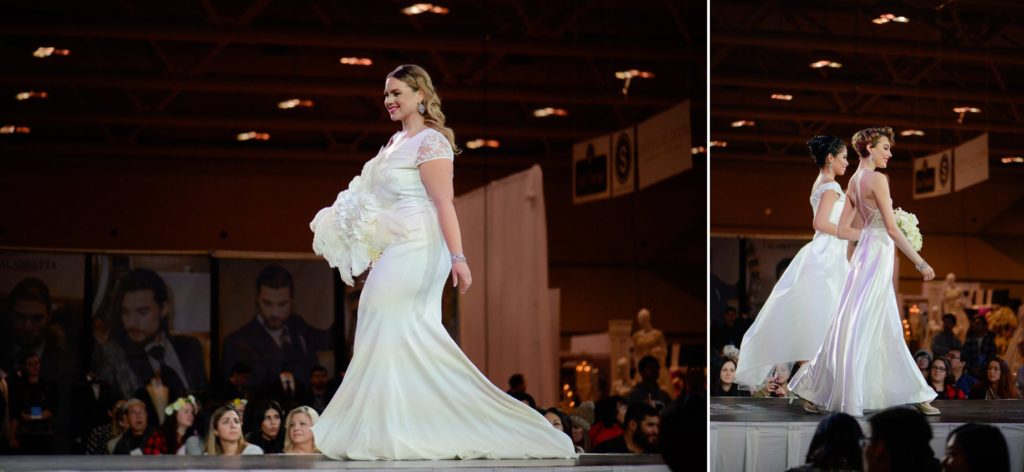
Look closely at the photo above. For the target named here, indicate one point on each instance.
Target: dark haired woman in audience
(179, 427)
(997, 384)
(725, 384)
(940, 377)
(976, 447)
(835, 446)
(267, 435)
(609, 414)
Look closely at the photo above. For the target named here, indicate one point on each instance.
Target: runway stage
(772, 434)
(586, 462)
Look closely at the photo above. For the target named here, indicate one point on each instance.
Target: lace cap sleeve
(833, 186)
(434, 146)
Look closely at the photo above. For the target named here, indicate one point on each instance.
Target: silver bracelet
(921, 267)
(458, 258)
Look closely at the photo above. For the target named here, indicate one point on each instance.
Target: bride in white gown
(792, 323)
(409, 391)
(864, 364)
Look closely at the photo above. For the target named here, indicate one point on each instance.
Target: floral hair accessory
(179, 404)
(239, 402)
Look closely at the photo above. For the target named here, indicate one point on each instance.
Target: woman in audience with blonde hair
(299, 431)
(225, 435)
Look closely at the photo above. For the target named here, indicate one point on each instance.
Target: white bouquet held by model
(907, 222)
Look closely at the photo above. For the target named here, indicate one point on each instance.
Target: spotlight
(253, 136)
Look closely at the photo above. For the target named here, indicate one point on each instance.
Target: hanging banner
(933, 175)
(664, 145)
(971, 162)
(591, 170)
(623, 161)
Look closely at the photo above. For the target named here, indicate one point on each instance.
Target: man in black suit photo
(275, 339)
(142, 332)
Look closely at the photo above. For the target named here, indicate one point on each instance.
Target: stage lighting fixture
(911, 132)
(742, 123)
(782, 96)
(12, 129)
(889, 17)
(425, 8)
(479, 143)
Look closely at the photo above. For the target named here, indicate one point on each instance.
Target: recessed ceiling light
(718, 144)
(1013, 160)
(425, 8)
(295, 103)
(549, 111)
(889, 17)
(30, 95)
(479, 143)
(742, 123)
(12, 129)
(697, 150)
(357, 61)
(48, 51)
(825, 63)
(967, 110)
(911, 132)
(782, 96)
(253, 136)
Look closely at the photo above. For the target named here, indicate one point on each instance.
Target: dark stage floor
(747, 410)
(594, 462)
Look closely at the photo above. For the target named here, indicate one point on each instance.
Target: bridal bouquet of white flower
(907, 222)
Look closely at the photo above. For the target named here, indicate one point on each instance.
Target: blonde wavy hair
(213, 446)
(313, 418)
(417, 79)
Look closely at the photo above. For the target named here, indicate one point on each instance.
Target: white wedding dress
(864, 363)
(793, 321)
(409, 391)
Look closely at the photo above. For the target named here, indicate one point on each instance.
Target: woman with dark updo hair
(807, 292)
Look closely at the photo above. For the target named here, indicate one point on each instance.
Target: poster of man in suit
(276, 317)
(151, 321)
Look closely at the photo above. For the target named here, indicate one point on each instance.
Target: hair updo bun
(822, 146)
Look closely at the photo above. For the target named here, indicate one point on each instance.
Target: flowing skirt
(793, 321)
(864, 363)
(409, 391)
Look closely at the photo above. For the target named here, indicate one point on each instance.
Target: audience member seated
(235, 387)
(179, 427)
(559, 421)
(835, 445)
(923, 360)
(101, 435)
(900, 441)
(648, 390)
(139, 436)
(609, 413)
(778, 383)
(92, 399)
(979, 347)
(287, 390)
(946, 340)
(32, 415)
(517, 389)
(640, 435)
(976, 447)
(319, 392)
(268, 433)
(940, 377)
(961, 379)
(580, 433)
(225, 434)
(724, 384)
(997, 384)
(299, 431)
(731, 331)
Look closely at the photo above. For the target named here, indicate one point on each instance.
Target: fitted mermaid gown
(864, 364)
(409, 392)
(793, 321)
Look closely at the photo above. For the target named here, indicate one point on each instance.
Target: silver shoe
(927, 408)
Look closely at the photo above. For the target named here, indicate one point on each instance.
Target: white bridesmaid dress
(864, 363)
(409, 391)
(793, 321)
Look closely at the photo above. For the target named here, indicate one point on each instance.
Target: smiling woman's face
(400, 100)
